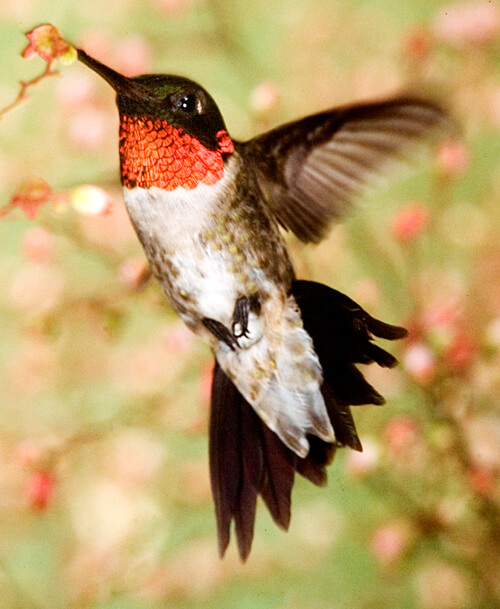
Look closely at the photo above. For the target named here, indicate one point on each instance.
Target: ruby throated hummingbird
(208, 210)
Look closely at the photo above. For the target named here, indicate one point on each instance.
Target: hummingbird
(210, 212)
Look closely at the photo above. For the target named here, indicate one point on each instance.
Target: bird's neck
(154, 153)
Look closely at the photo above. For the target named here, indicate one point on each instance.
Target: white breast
(171, 225)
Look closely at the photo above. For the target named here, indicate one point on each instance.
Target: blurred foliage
(104, 492)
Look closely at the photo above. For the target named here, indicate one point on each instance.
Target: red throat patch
(153, 153)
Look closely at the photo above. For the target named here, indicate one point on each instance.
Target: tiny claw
(242, 309)
(220, 332)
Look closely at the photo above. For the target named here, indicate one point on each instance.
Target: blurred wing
(311, 171)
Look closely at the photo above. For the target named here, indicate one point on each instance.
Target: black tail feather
(247, 459)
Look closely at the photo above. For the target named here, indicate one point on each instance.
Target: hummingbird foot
(220, 332)
(242, 309)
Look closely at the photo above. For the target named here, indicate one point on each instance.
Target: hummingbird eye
(187, 103)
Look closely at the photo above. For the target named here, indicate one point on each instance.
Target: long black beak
(121, 84)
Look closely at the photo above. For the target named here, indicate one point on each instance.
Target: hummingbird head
(171, 131)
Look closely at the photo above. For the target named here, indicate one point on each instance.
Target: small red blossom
(418, 44)
(38, 244)
(401, 434)
(482, 481)
(40, 490)
(46, 42)
(389, 543)
(420, 363)
(134, 273)
(410, 222)
(32, 195)
(461, 352)
(453, 158)
(28, 453)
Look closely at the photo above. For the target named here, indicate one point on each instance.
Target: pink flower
(482, 481)
(401, 434)
(468, 24)
(134, 272)
(389, 543)
(33, 194)
(453, 158)
(28, 453)
(38, 244)
(134, 57)
(420, 363)
(40, 490)
(418, 44)
(461, 352)
(265, 97)
(410, 222)
(46, 42)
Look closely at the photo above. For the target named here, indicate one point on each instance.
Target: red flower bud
(410, 222)
(40, 490)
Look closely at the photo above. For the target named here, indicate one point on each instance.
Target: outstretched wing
(310, 171)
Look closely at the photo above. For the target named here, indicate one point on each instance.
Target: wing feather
(311, 171)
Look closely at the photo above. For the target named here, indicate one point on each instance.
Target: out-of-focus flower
(471, 23)
(40, 490)
(410, 222)
(38, 244)
(444, 313)
(361, 464)
(134, 55)
(47, 42)
(390, 542)
(179, 339)
(264, 98)
(134, 272)
(32, 195)
(440, 586)
(461, 353)
(401, 434)
(453, 158)
(28, 453)
(90, 200)
(420, 363)
(418, 44)
(482, 481)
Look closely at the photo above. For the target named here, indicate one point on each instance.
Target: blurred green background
(104, 491)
